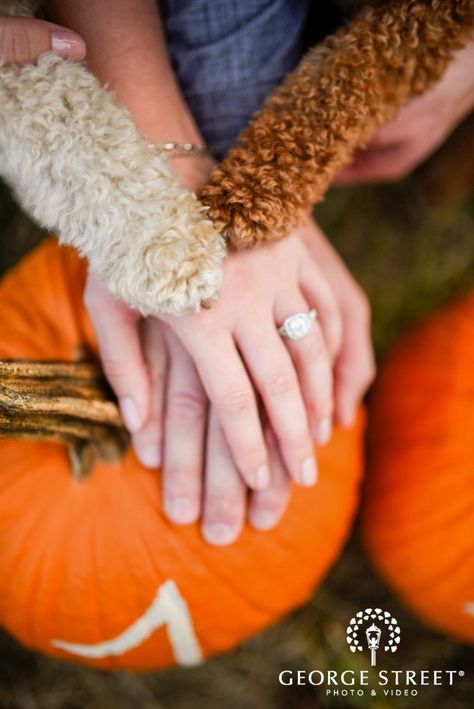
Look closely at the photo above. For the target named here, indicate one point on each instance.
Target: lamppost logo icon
(374, 625)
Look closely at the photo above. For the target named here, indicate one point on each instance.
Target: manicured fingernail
(130, 414)
(323, 431)
(219, 534)
(262, 478)
(309, 472)
(262, 519)
(68, 44)
(149, 456)
(181, 510)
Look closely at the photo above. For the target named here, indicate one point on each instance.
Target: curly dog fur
(80, 167)
(327, 109)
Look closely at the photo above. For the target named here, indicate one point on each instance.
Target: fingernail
(309, 472)
(263, 520)
(68, 44)
(262, 478)
(219, 534)
(181, 510)
(323, 431)
(130, 414)
(149, 456)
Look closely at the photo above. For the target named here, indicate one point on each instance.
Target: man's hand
(23, 39)
(420, 127)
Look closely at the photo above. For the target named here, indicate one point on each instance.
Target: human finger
(224, 500)
(24, 39)
(274, 376)
(266, 507)
(148, 441)
(120, 351)
(184, 431)
(313, 365)
(228, 387)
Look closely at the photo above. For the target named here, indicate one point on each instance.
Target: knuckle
(222, 507)
(178, 477)
(235, 402)
(280, 382)
(210, 328)
(114, 369)
(15, 43)
(21, 44)
(237, 274)
(185, 407)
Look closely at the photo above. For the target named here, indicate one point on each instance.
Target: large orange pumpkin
(418, 514)
(91, 570)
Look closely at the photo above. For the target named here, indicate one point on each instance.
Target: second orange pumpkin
(418, 516)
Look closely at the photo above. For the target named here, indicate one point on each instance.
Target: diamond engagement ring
(297, 326)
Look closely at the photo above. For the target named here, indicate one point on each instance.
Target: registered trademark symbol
(461, 673)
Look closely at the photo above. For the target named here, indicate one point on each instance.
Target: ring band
(298, 325)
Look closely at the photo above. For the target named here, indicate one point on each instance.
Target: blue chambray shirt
(229, 54)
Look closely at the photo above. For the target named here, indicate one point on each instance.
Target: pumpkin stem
(66, 402)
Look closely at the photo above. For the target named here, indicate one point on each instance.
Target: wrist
(193, 171)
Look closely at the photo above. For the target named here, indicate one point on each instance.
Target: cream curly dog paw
(80, 167)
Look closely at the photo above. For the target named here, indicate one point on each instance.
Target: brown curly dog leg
(329, 107)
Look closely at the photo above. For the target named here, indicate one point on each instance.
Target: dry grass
(411, 247)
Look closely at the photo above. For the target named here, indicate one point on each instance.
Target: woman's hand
(240, 357)
(235, 347)
(200, 478)
(420, 127)
(23, 39)
(177, 428)
(164, 403)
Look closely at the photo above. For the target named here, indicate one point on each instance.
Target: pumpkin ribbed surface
(82, 561)
(418, 514)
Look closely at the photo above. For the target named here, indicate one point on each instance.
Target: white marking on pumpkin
(469, 608)
(168, 608)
